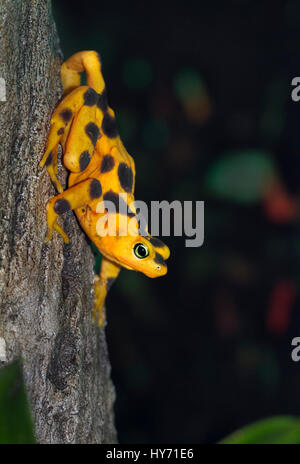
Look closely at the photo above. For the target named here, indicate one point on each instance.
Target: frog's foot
(74, 197)
(58, 229)
(88, 61)
(108, 274)
(52, 222)
(99, 299)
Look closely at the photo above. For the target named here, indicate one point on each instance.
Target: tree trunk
(45, 289)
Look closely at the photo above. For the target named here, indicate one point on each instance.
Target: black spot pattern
(107, 164)
(92, 131)
(90, 97)
(155, 242)
(66, 114)
(60, 131)
(118, 202)
(49, 159)
(95, 189)
(125, 177)
(159, 259)
(61, 206)
(84, 160)
(102, 101)
(109, 126)
(109, 282)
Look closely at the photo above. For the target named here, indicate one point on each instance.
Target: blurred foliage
(188, 85)
(16, 426)
(190, 89)
(242, 176)
(155, 134)
(275, 430)
(273, 114)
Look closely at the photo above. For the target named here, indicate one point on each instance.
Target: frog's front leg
(74, 197)
(108, 274)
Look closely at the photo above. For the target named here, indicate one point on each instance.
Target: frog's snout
(160, 264)
(162, 269)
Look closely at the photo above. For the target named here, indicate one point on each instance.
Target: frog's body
(101, 170)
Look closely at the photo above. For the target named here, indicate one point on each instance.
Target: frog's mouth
(117, 261)
(126, 266)
(158, 270)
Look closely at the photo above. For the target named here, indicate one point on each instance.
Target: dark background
(202, 96)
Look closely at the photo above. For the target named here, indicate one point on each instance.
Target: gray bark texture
(45, 289)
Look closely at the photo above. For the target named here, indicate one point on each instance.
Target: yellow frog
(101, 170)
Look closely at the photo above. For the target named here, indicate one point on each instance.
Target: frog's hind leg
(108, 274)
(74, 197)
(88, 61)
(79, 119)
(83, 135)
(61, 121)
(87, 123)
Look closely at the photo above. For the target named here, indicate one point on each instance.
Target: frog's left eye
(140, 250)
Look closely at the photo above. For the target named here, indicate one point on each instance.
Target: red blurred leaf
(280, 305)
(279, 206)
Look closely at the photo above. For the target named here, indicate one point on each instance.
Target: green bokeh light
(240, 176)
(273, 115)
(137, 73)
(126, 123)
(187, 84)
(155, 134)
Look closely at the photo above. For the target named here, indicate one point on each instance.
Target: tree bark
(45, 289)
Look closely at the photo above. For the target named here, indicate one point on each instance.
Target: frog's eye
(140, 250)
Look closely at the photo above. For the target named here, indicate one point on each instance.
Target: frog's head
(145, 254)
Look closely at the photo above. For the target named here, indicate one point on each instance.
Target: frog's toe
(49, 235)
(59, 230)
(54, 180)
(98, 312)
